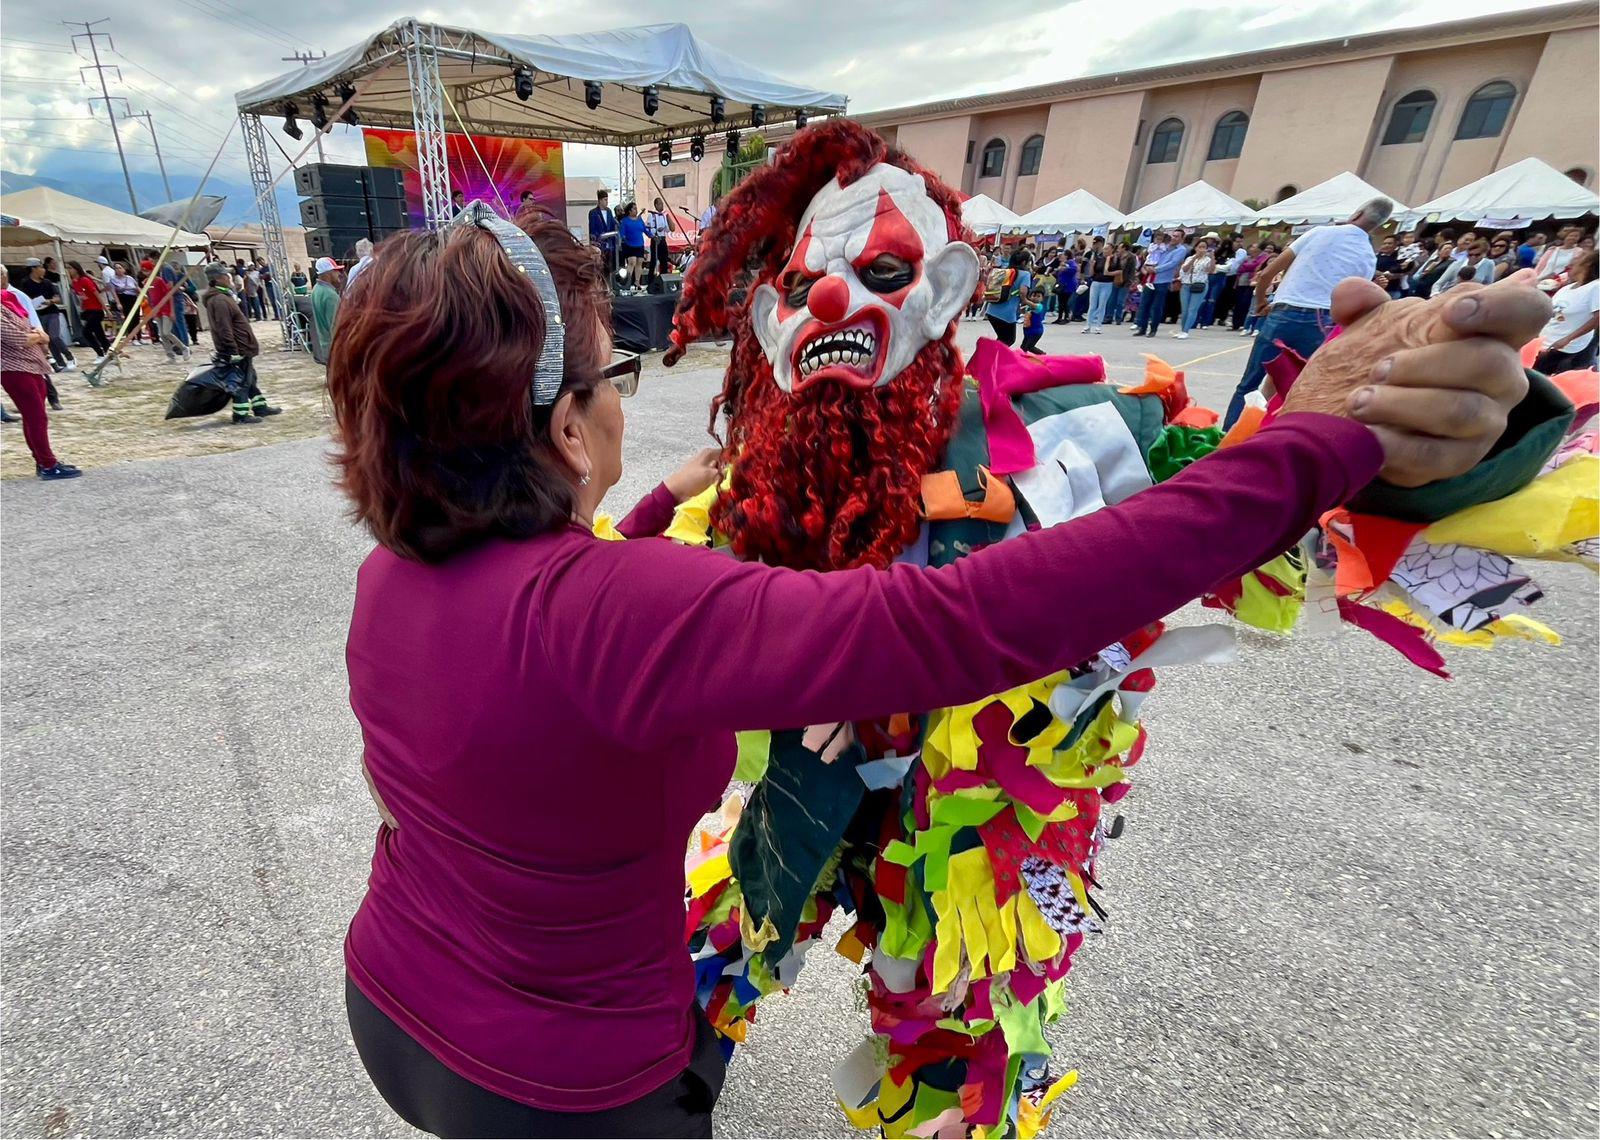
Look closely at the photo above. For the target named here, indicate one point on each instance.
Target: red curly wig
(826, 479)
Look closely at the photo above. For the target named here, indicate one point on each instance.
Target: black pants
(1030, 343)
(94, 331)
(1553, 363)
(1004, 331)
(429, 1096)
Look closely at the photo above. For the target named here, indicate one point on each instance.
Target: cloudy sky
(184, 64)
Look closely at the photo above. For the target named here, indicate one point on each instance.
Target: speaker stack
(340, 205)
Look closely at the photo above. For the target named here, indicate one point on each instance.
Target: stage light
(319, 111)
(664, 154)
(346, 93)
(697, 147)
(591, 94)
(758, 115)
(290, 127)
(719, 109)
(733, 143)
(523, 80)
(652, 101)
(800, 119)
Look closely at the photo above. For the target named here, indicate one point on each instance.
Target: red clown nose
(829, 299)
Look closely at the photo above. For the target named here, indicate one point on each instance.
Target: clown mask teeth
(855, 349)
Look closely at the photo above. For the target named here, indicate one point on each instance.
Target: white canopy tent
(45, 216)
(1331, 201)
(476, 70)
(648, 84)
(1527, 191)
(1077, 212)
(1197, 204)
(983, 215)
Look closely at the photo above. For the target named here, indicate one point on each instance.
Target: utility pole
(306, 58)
(155, 142)
(100, 69)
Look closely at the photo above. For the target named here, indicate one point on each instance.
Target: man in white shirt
(656, 228)
(364, 259)
(709, 215)
(1305, 275)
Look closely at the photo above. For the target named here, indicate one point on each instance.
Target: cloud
(185, 66)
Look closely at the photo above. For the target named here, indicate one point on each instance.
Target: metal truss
(421, 43)
(255, 149)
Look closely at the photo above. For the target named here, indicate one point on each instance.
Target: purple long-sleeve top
(547, 720)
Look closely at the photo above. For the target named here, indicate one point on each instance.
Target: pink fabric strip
(1005, 373)
(1408, 639)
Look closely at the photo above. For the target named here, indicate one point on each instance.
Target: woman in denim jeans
(1194, 281)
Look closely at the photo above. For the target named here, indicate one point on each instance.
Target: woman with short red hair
(546, 716)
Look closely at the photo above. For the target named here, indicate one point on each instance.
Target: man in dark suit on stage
(603, 233)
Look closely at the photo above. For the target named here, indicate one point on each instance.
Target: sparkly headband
(525, 255)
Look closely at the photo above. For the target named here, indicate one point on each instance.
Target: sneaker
(55, 405)
(262, 411)
(1180, 336)
(99, 360)
(240, 418)
(72, 366)
(59, 471)
(1086, 330)
(1097, 332)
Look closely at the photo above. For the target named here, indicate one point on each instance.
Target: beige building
(1416, 112)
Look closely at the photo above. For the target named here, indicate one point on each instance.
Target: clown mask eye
(887, 273)
(796, 287)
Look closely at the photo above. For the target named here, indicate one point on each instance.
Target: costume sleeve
(658, 639)
(650, 516)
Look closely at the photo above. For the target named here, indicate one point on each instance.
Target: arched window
(1408, 122)
(1165, 140)
(1285, 193)
(1486, 112)
(1579, 175)
(994, 159)
(1227, 139)
(1032, 152)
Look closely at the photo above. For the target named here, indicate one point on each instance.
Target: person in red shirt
(91, 309)
(163, 310)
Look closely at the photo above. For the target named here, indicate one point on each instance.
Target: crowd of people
(156, 300)
(1277, 290)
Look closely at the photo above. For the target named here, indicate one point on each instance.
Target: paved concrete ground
(1351, 899)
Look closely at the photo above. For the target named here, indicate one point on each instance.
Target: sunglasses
(623, 372)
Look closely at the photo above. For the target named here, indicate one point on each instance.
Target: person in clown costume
(966, 845)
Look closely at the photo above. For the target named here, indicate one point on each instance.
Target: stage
(642, 323)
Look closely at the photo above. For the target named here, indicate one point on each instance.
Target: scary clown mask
(872, 278)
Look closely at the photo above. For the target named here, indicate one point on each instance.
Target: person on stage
(603, 235)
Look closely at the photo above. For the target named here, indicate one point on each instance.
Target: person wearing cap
(325, 306)
(235, 343)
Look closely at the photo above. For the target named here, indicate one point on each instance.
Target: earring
(584, 482)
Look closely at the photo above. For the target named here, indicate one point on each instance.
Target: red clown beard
(831, 478)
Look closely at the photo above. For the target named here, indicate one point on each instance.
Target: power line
(94, 37)
(243, 22)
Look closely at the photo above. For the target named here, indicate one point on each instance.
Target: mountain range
(95, 182)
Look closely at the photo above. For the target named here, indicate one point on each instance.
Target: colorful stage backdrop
(514, 166)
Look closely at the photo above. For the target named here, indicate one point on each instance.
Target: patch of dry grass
(124, 419)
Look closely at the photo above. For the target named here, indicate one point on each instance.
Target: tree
(752, 153)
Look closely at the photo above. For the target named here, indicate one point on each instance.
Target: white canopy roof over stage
(478, 73)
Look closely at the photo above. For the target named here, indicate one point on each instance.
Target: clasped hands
(1435, 380)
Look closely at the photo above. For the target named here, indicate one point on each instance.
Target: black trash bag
(207, 389)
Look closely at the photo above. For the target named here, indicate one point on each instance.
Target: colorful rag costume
(965, 844)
